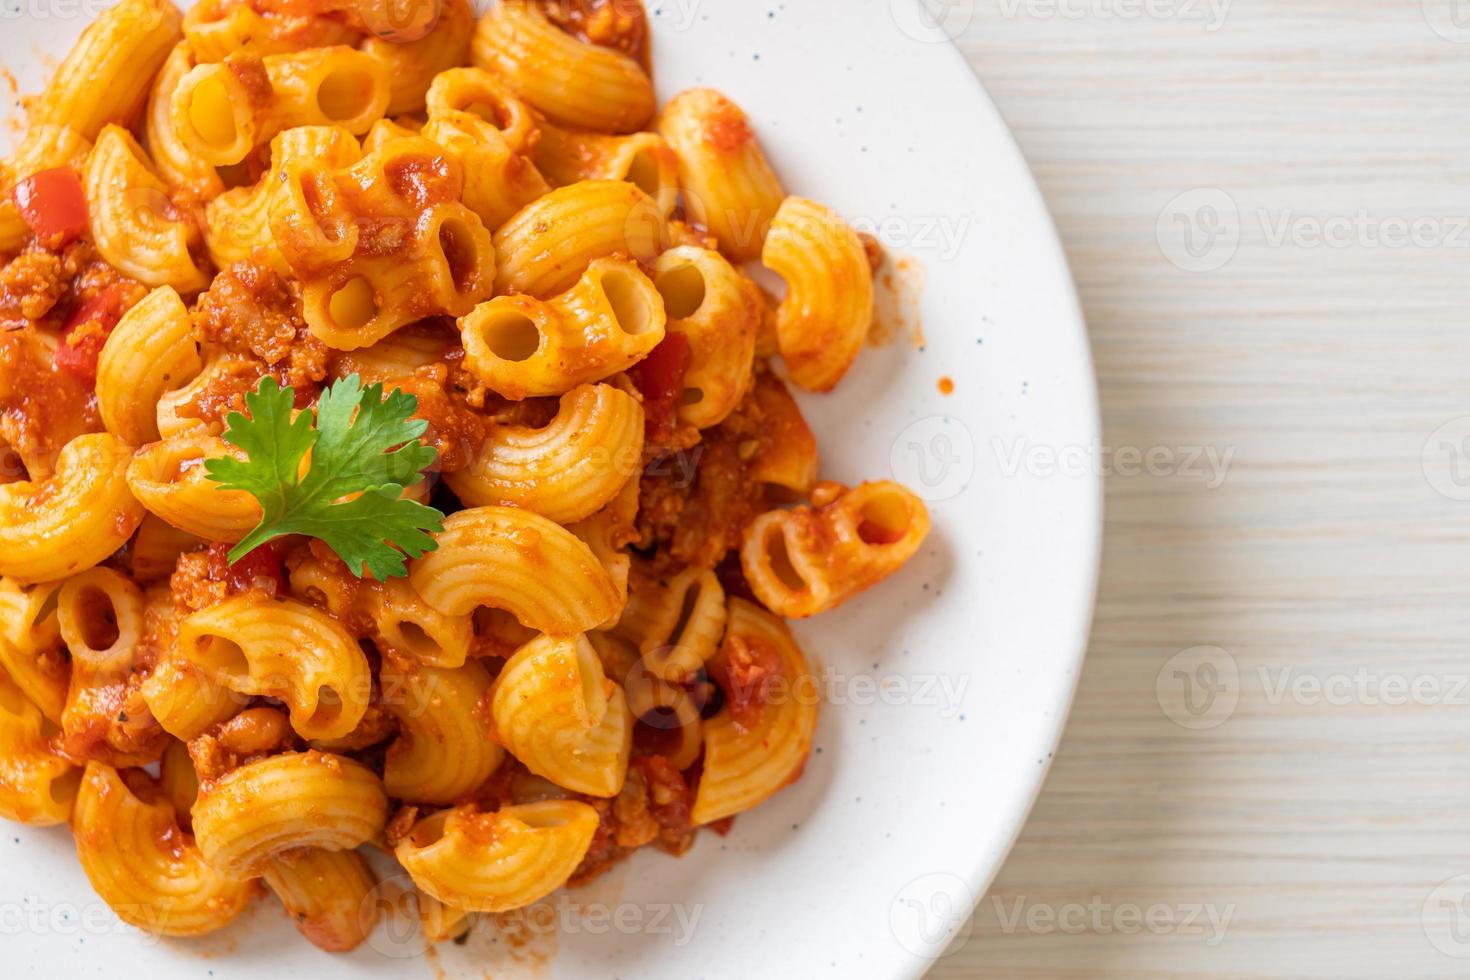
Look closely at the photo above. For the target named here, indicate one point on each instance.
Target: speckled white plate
(948, 684)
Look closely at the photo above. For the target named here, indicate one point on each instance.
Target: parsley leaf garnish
(362, 443)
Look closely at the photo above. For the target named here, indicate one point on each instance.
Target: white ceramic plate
(948, 684)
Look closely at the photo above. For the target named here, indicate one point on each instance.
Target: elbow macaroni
(521, 346)
(563, 278)
(565, 471)
(279, 804)
(803, 561)
(495, 862)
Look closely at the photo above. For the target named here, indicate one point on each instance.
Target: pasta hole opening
(223, 656)
(543, 817)
(629, 305)
(48, 607)
(430, 830)
(493, 112)
(345, 94)
(693, 396)
(328, 706)
(414, 639)
(354, 305)
(883, 519)
(686, 613)
(780, 562)
(683, 289)
(460, 254)
(211, 114)
(97, 619)
(644, 173)
(63, 789)
(512, 336)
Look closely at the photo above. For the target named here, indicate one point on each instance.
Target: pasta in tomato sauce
(400, 455)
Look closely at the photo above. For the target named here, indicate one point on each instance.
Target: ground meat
(203, 578)
(41, 408)
(653, 808)
(106, 720)
(695, 502)
(252, 734)
(30, 285)
(618, 24)
(249, 309)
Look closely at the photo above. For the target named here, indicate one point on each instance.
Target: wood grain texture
(1316, 825)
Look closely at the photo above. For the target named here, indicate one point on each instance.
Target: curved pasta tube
(169, 479)
(382, 243)
(546, 246)
(482, 94)
(644, 160)
(565, 471)
(181, 169)
(521, 562)
(413, 66)
(676, 623)
(327, 894)
(760, 739)
(156, 548)
(575, 83)
(824, 318)
(36, 785)
(556, 711)
(185, 701)
(30, 640)
(498, 181)
(719, 311)
(443, 751)
(105, 77)
(224, 110)
(100, 615)
(495, 862)
(218, 28)
(786, 455)
(729, 187)
(220, 370)
(84, 512)
(149, 352)
(403, 621)
(135, 225)
(668, 709)
(143, 865)
(609, 321)
(282, 649)
(238, 221)
(285, 802)
(801, 562)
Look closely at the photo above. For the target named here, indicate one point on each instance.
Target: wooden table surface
(1266, 204)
